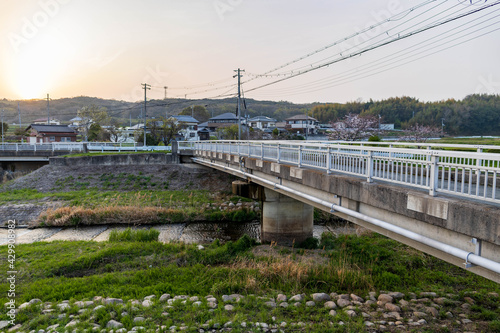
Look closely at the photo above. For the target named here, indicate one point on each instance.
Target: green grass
(132, 270)
(129, 235)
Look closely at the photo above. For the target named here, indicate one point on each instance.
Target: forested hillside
(474, 115)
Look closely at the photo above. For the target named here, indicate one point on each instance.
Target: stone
(270, 304)
(310, 303)
(284, 304)
(35, 301)
(281, 298)
(231, 298)
(50, 328)
(369, 324)
(365, 315)
(396, 295)
(164, 297)
(428, 294)
(332, 313)
(24, 305)
(14, 328)
(320, 297)
(4, 324)
(493, 294)
(433, 311)
(449, 314)
(110, 300)
(469, 300)
(466, 321)
(296, 304)
(200, 247)
(404, 303)
(356, 298)
(197, 303)
(150, 297)
(114, 324)
(147, 303)
(419, 314)
(212, 305)
(392, 308)
(330, 305)
(72, 323)
(343, 296)
(440, 300)
(193, 299)
(212, 299)
(422, 322)
(351, 313)
(228, 324)
(297, 298)
(228, 307)
(139, 319)
(63, 306)
(384, 298)
(342, 303)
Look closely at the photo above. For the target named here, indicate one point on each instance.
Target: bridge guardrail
(469, 174)
(79, 146)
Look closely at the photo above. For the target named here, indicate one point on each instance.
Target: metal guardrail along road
(468, 174)
(79, 147)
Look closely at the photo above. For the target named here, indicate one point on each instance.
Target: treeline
(474, 115)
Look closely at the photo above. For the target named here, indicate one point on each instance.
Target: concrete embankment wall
(116, 159)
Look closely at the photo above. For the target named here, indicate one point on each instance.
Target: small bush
(310, 243)
(129, 235)
(495, 326)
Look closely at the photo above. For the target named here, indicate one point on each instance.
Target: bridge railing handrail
(79, 146)
(471, 174)
(418, 145)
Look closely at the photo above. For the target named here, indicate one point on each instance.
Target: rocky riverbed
(381, 311)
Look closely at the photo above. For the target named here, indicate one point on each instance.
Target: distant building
(221, 121)
(50, 133)
(302, 123)
(262, 122)
(43, 121)
(189, 126)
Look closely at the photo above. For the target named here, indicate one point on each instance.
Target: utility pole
(307, 124)
(19, 113)
(48, 110)
(146, 87)
(165, 91)
(130, 119)
(192, 110)
(442, 125)
(239, 100)
(2, 126)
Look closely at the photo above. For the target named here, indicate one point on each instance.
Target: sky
(108, 48)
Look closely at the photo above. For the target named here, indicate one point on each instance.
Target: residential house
(189, 126)
(50, 133)
(302, 123)
(262, 123)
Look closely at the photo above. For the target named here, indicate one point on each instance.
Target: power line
(418, 31)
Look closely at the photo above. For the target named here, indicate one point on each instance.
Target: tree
(92, 114)
(199, 113)
(115, 132)
(420, 133)
(4, 127)
(229, 133)
(97, 133)
(164, 130)
(354, 127)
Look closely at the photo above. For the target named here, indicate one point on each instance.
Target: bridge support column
(285, 220)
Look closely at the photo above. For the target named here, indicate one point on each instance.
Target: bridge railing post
(300, 157)
(328, 160)
(17, 146)
(262, 151)
(279, 152)
(369, 167)
(434, 173)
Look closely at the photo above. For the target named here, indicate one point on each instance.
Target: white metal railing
(468, 174)
(79, 147)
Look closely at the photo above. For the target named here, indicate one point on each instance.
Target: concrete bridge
(442, 202)
(25, 156)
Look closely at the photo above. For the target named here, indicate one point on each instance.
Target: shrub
(309, 243)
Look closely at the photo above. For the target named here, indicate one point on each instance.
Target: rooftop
(51, 128)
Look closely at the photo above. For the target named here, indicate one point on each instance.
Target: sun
(37, 68)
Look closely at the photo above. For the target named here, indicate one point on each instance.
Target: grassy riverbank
(73, 271)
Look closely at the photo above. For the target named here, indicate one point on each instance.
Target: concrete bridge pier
(285, 220)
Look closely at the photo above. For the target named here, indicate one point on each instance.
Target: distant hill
(65, 109)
